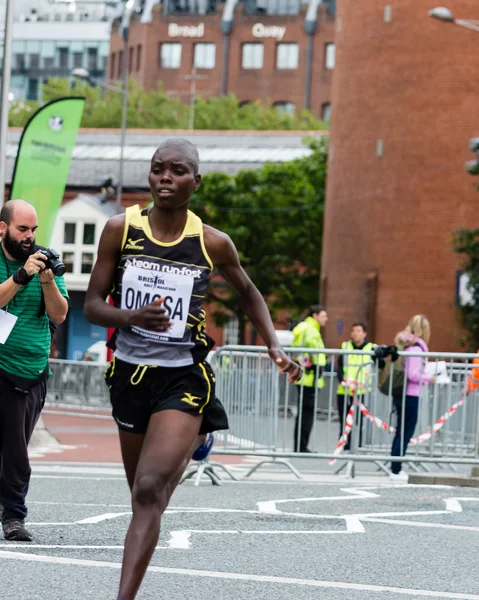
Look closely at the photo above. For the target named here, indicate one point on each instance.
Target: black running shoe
(15, 531)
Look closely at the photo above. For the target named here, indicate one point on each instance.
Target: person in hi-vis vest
(307, 334)
(353, 372)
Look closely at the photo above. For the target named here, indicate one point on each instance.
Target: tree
(275, 217)
(155, 109)
(466, 243)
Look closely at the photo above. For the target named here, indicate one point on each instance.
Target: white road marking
(78, 477)
(453, 505)
(180, 540)
(67, 469)
(270, 506)
(421, 524)
(415, 593)
(100, 518)
(68, 547)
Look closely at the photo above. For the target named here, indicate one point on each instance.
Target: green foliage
(275, 217)
(466, 242)
(154, 109)
(20, 112)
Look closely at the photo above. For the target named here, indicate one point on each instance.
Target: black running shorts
(138, 391)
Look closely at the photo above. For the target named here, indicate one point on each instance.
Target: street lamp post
(84, 75)
(441, 13)
(4, 96)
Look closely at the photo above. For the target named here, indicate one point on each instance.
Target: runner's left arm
(225, 258)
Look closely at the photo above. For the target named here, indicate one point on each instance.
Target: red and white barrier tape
(439, 424)
(424, 437)
(344, 438)
(376, 420)
(421, 439)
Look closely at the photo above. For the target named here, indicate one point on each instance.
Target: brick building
(278, 50)
(405, 98)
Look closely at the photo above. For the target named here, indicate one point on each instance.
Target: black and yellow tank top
(176, 271)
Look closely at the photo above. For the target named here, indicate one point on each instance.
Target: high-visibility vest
(355, 371)
(472, 380)
(307, 334)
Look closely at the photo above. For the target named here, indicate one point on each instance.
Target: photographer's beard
(18, 250)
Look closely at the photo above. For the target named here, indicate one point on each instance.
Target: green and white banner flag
(43, 160)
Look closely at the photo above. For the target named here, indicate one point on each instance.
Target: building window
(326, 112)
(69, 233)
(86, 262)
(205, 55)
(48, 62)
(63, 58)
(32, 92)
(92, 59)
(287, 56)
(68, 259)
(252, 56)
(130, 59)
(120, 63)
(285, 108)
(330, 56)
(231, 331)
(170, 55)
(77, 60)
(112, 66)
(19, 61)
(34, 61)
(89, 234)
(138, 57)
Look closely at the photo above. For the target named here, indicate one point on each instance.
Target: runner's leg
(169, 442)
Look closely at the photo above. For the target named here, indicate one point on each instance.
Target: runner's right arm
(151, 316)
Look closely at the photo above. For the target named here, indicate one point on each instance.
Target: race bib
(144, 286)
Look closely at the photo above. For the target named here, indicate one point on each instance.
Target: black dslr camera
(382, 352)
(53, 261)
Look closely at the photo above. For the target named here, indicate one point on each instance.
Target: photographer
(30, 295)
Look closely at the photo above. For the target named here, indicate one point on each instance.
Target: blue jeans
(411, 405)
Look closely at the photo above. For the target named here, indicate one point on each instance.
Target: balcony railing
(190, 7)
(272, 7)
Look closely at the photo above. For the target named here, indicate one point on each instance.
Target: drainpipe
(310, 22)
(226, 28)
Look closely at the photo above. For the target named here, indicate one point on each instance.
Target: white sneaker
(400, 477)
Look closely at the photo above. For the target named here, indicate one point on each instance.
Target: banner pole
(4, 97)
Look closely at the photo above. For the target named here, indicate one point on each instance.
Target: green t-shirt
(26, 351)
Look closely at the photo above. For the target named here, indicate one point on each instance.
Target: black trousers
(19, 413)
(304, 418)
(343, 409)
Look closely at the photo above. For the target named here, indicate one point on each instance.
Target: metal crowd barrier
(78, 383)
(263, 406)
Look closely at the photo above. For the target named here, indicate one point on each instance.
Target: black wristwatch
(21, 277)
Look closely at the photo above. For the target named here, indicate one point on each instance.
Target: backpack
(392, 380)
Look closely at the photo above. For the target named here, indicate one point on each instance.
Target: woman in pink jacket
(413, 339)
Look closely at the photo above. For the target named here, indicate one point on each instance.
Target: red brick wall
(268, 83)
(413, 84)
